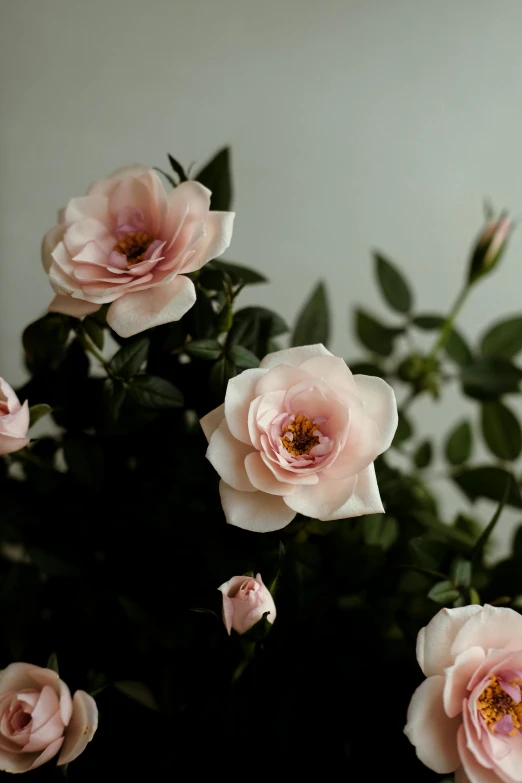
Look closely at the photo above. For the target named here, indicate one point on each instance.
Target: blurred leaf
(456, 347)
(239, 274)
(129, 359)
(220, 375)
(380, 530)
(52, 663)
(423, 454)
(313, 321)
(490, 377)
(503, 339)
(243, 358)
(153, 392)
(94, 330)
(84, 458)
(37, 412)
(139, 692)
(373, 335)
(167, 176)
(366, 368)
(426, 552)
(461, 571)
(44, 341)
(443, 593)
(204, 349)
(217, 178)
(393, 286)
(488, 482)
(177, 168)
(404, 430)
(483, 538)
(501, 430)
(200, 319)
(474, 597)
(114, 393)
(458, 444)
(428, 322)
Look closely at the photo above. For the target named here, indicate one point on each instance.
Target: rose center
(21, 720)
(300, 436)
(134, 245)
(494, 704)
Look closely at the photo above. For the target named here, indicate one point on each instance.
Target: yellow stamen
(304, 439)
(134, 245)
(493, 703)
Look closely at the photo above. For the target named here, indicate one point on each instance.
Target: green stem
(91, 348)
(448, 325)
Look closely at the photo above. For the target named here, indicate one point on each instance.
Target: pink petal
(323, 499)
(255, 511)
(16, 762)
(66, 705)
(271, 402)
(227, 455)
(240, 393)
(365, 498)
(474, 771)
(380, 405)
(434, 651)
(96, 253)
(47, 705)
(83, 231)
(263, 479)
(492, 628)
(218, 235)
(49, 752)
(280, 377)
(16, 423)
(81, 729)
(331, 369)
(211, 421)
(135, 312)
(294, 356)
(53, 237)
(458, 677)
(429, 729)
(87, 207)
(511, 690)
(75, 307)
(288, 476)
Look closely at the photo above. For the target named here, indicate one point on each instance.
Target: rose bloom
(245, 601)
(467, 715)
(299, 435)
(14, 420)
(38, 718)
(130, 244)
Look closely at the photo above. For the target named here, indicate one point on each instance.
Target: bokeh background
(353, 126)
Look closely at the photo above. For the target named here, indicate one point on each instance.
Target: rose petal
(255, 511)
(434, 654)
(380, 405)
(81, 729)
(493, 627)
(474, 771)
(458, 677)
(218, 235)
(429, 729)
(211, 421)
(322, 499)
(49, 752)
(263, 479)
(69, 306)
(137, 311)
(332, 369)
(53, 237)
(227, 455)
(240, 393)
(365, 498)
(294, 356)
(280, 377)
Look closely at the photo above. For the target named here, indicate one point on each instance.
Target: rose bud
(489, 248)
(245, 601)
(38, 718)
(14, 420)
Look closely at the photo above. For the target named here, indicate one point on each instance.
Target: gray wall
(353, 125)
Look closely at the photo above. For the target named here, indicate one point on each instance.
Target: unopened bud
(489, 247)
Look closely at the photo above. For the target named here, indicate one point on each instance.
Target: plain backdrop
(353, 125)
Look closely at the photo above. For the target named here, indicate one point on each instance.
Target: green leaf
(114, 393)
(239, 274)
(456, 347)
(423, 454)
(204, 349)
(366, 368)
(177, 168)
(488, 482)
(443, 593)
(52, 663)
(404, 430)
(129, 359)
(220, 375)
(503, 339)
(490, 377)
(373, 335)
(44, 341)
(486, 533)
(37, 412)
(200, 319)
(167, 176)
(156, 393)
(393, 286)
(217, 178)
(501, 430)
(428, 322)
(243, 358)
(313, 321)
(94, 330)
(255, 327)
(461, 571)
(458, 444)
(139, 692)
(380, 530)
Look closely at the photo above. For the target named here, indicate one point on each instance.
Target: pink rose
(14, 420)
(245, 601)
(38, 718)
(129, 243)
(467, 715)
(489, 247)
(299, 435)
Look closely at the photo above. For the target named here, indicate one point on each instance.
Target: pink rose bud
(38, 718)
(466, 717)
(14, 420)
(129, 244)
(245, 601)
(489, 248)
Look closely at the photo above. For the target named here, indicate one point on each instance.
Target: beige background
(378, 123)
